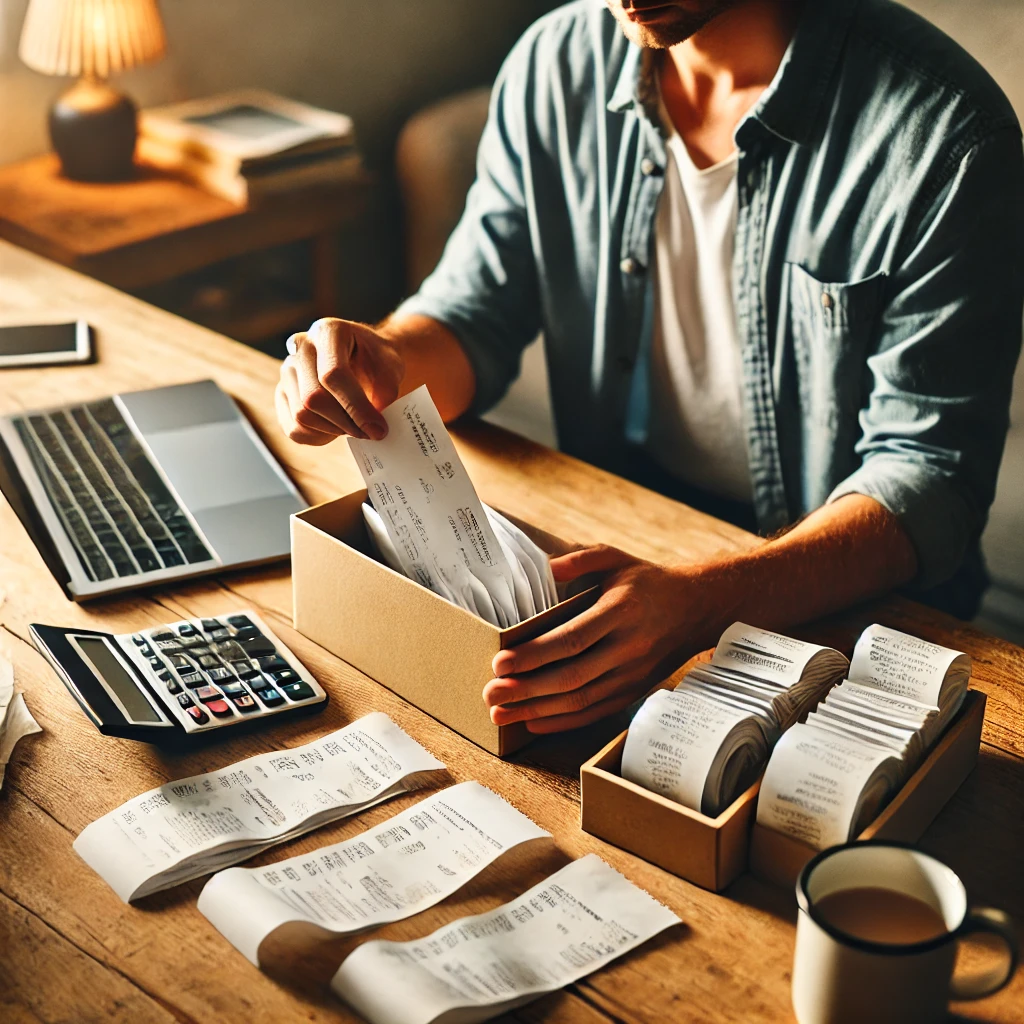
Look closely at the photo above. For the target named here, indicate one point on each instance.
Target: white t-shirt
(696, 428)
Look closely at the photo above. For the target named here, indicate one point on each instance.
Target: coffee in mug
(877, 934)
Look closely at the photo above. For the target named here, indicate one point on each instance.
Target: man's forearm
(841, 554)
(433, 356)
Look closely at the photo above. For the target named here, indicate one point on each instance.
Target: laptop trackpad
(215, 464)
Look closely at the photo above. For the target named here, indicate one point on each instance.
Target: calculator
(181, 681)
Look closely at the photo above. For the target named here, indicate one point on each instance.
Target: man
(775, 250)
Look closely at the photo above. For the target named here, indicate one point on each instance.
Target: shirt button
(648, 166)
(826, 300)
(629, 266)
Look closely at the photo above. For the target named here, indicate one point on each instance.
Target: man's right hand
(340, 377)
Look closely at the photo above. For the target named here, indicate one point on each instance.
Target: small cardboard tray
(712, 852)
(434, 654)
(779, 858)
(709, 852)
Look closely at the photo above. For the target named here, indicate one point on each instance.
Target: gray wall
(378, 60)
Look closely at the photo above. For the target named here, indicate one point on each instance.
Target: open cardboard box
(779, 858)
(712, 852)
(434, 654)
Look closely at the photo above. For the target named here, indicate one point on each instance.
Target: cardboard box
(434, 654)
(712, 852)
(779, 858)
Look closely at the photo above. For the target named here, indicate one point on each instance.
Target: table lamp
(92, 126)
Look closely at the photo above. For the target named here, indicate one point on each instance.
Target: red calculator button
(197, 715)
(244, 703)
(218, 707)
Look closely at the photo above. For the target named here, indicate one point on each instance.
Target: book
(242, 128)
(246, 187)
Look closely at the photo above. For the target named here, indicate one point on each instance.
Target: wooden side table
(149, 231)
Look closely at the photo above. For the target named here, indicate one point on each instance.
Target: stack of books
(248, 144)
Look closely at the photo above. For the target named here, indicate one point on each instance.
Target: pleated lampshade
(92, 38)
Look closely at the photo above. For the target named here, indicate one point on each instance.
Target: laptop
(145, 488)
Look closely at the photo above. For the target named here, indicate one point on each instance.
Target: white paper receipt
(430, 509)
(822, 787)
(187, 828)
(573, 923)
(392, 871)
(908, 666)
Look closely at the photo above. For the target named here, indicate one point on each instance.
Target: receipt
(187, 828)
(571, 924)
(822, 787)
(437, 524)
(909, 667)
(392, 871)
(16, 720)
(693, 749)
(768, 656)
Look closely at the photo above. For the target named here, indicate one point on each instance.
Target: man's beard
(677, 25)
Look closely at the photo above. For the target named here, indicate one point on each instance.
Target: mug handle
(995, 922)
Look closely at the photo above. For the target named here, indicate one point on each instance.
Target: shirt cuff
(494, 374)
(938, 521)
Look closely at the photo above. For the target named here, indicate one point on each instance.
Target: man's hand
(340, 377)
(606, 657)
(650, 618)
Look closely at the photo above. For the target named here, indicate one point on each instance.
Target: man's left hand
(606, 657)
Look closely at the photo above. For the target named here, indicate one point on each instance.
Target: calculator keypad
(214, 671)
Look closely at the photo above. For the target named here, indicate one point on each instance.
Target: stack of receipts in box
(704, 742)
(830, 776)
(427, 522)
(189, 828)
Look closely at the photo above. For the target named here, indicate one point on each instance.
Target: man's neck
(710, 81)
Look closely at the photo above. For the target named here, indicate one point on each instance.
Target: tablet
(43, 344)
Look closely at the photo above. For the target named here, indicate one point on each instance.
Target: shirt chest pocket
(832, 327)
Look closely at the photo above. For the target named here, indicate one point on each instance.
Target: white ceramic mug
(841, 979)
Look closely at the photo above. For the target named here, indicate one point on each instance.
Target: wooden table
(147, 231)
(71, 951)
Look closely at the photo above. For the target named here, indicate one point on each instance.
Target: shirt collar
(790, 106)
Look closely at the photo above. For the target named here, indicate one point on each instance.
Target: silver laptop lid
(223, 474)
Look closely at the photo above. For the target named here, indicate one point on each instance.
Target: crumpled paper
(16, 720)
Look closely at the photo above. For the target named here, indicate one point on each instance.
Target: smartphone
(43, 344)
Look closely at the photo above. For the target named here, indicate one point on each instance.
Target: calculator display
(108, 665)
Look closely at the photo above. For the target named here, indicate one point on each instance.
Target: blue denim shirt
(878, 276)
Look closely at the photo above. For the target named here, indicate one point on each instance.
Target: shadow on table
(303, 958)
(561, 754)
(980, 833)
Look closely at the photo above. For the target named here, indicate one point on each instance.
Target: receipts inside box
(433, 527)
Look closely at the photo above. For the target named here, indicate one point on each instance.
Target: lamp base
(93, 129)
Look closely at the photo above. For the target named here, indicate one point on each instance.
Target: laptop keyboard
(115, 507)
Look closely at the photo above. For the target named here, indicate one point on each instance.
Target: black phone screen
(38, 339)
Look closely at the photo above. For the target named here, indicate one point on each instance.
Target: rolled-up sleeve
(935, 423)
(484, 289)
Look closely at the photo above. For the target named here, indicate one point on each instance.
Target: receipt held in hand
(427, 522)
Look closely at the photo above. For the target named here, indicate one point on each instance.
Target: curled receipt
(390, 872)
(426, 501)
(571, 924)
(823, 788)
(189, 828)
(16, 720)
